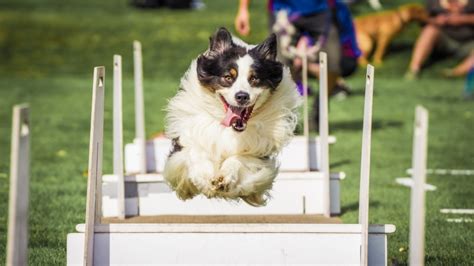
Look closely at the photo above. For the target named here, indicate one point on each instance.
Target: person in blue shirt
(326, 23)
(299, 7)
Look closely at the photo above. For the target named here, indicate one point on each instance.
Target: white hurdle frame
(140, 138)
(113, 240)
(94, 180)
(118, 137)
(417, 206)
(17, 243)
(323, 123)
(324, 131)
(304, 73)
(365, 164)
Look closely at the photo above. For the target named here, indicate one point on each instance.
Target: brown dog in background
(381, 27)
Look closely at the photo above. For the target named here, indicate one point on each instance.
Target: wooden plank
(225, 249)
(137, 248)
(158, 150)
(118, 137)
(17, 244)
(239, 228)
(289, 196)
(156, 177)
(297, 154)
(365, 164)
(304, 73)
(94, 181)
(417, 206)
(324, 131)
(227, 219)
(139, 106)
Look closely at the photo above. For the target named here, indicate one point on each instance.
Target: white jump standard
(244, 239)
(94, 180)
(417, 206)
(17, 240)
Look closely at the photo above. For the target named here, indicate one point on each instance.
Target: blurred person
(322, 23)
(449, 31)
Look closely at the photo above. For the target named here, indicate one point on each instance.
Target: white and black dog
(234, 111)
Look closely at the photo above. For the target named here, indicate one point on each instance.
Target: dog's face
(240, 78)
(413, 12)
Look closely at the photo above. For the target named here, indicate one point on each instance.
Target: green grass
(49, 48)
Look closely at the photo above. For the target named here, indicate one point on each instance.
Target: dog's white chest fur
(213, 158)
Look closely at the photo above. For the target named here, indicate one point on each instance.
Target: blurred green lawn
(48, 50)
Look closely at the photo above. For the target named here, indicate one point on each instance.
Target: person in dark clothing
(327, 23)
(449, 31)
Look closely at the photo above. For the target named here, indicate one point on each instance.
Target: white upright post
(324, 132)
(94, 181)
(304, 73)
(417, 207)
(17, 244)
(139, 106)
(365, 165)
(118, 137)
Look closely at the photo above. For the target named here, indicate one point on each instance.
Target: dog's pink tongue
(230, 117)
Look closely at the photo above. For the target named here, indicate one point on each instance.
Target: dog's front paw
(200, 173)
(378, 62)
(363, 62)
(225, 180)
(220, 184)
(227, 177)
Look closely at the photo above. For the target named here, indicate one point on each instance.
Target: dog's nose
(242, 97)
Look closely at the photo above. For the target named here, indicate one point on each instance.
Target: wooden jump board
(225, 219)
(226, 243)
(149, 195)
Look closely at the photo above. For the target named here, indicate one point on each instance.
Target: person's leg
(334, 55)
(312, 26)
(309, 29)
(298, 61)
(333, 50)
(461, 69)
(423, 47)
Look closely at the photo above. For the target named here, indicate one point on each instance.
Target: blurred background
(48, 50)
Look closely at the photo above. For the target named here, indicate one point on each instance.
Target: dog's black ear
(268, 48)
(220, 41)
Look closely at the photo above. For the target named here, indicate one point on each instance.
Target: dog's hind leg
(382, 44)
(366, 46)
(176, 174)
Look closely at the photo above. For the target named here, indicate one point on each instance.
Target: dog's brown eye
(253, 79)
(228, 78)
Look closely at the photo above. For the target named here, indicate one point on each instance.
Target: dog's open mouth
(236, 116)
